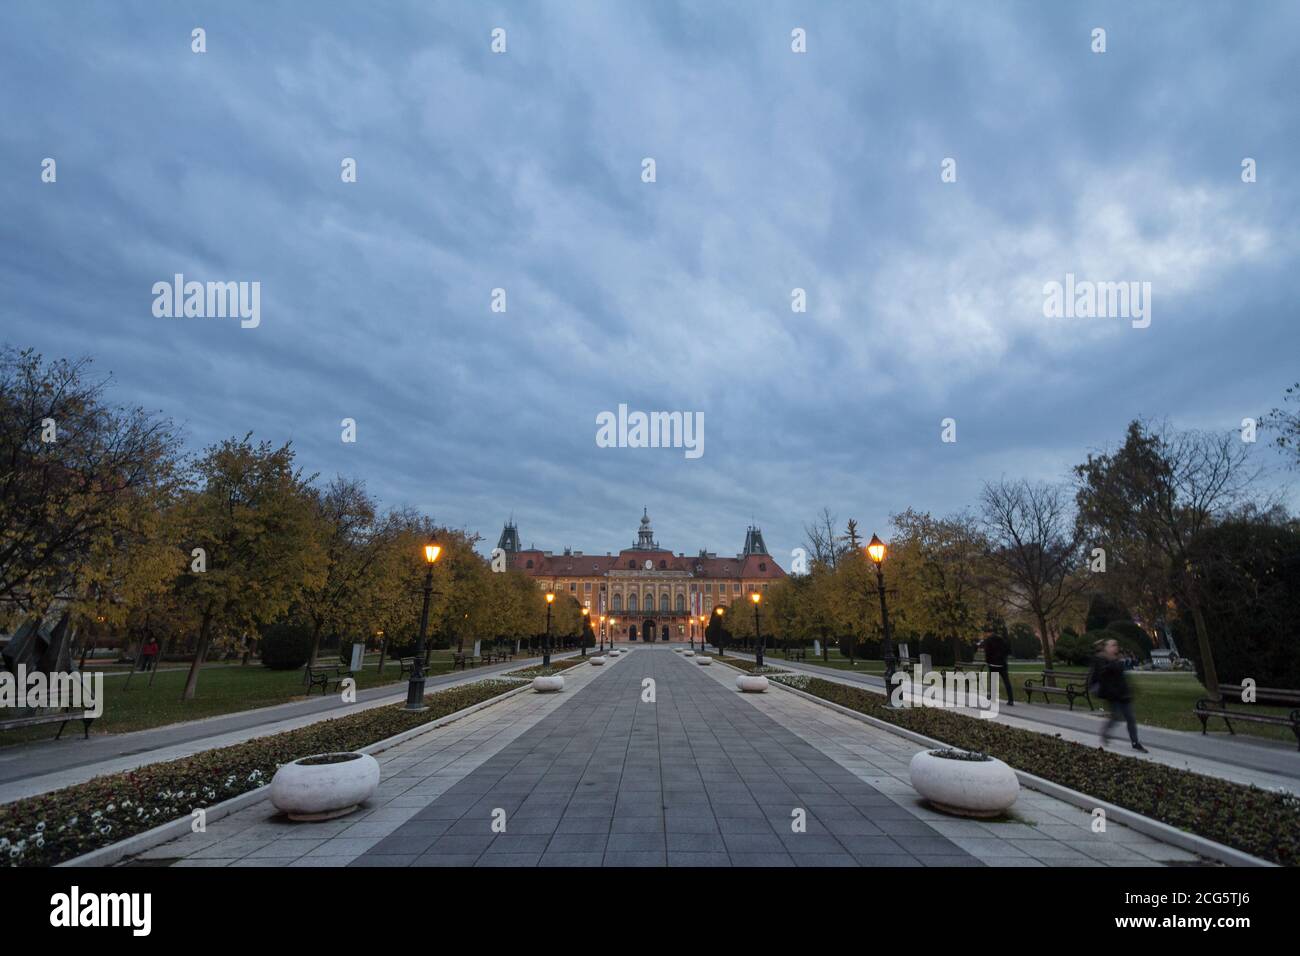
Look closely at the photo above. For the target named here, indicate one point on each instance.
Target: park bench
(322, 676)
(970, 665)
(795, 654)
(1207, 707)
(1076, 685)
(462, 660)
(61, 718)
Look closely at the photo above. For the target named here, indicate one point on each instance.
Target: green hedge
(1259, 822)
(57, 826)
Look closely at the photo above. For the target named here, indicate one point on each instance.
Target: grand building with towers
(646, 592)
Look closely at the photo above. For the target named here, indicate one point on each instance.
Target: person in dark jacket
(1108, 681)
(996, 652)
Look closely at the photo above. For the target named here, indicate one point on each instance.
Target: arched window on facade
(618, 602)
(681, 603)
(631, 602)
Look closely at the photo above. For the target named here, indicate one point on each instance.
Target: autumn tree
(944, 580)
(81, 481)
(352, 537)
(1161, 490)
(253, 516)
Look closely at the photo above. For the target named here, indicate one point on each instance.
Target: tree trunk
(201, 652)
(1046, 639)
(315, 649)
(1208, 669)
(383, 649)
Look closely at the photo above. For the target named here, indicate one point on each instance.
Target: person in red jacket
(149, 655)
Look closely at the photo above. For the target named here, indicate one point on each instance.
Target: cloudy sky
(774, 171)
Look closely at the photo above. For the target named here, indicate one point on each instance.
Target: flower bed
(1259, 822)
(537, 670)
(749, 667)
(53, 827)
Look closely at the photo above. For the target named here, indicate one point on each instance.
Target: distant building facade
(652, 593)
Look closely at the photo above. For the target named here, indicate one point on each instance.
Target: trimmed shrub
(1132, 638)
(286, 645)
(1102, 611)
(1079, 648)
(1025, 644)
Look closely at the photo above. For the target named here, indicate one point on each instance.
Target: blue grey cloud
(775, 171)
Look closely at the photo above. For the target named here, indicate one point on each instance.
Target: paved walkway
(703, 776)
(42, 766)
(1271, 764)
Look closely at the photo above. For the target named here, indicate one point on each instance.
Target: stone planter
(704, 660)
(598, 662)
(324, 786)
(677, 650)
(548, 685)
(984, 787)
(688, 653)
(751, 683)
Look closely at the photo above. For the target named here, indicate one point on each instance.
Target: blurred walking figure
(1108, 681)
(149, 655)
(996, 651)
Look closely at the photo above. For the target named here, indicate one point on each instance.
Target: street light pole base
(415, 695)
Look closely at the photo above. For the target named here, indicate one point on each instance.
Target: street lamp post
(703, 643)
(546, 641)
(758, 631)
(720, 611)
(876, 551)
(613, 623)
(602, 634)
(582, 634)
(415, 689)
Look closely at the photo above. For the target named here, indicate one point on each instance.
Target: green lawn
(1161, 699)
(221, 690)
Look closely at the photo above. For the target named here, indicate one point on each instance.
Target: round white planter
(688, 653)
(677, 650)
(548, 685)
(322, 791)
(704, 660)
(597, 662)
(971, 788)
(751, 684)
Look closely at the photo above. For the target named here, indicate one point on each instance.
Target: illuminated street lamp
(719, 611)
(546, 643)
(613, 623)
(876, 552)
(602, 633)
(703, 642)
(758, 633)
(582, 632)
(415, 689)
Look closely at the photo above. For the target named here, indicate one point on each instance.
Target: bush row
(48, 829)
(1263, 823)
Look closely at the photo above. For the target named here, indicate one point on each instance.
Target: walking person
(1108, 681)
(149, 655)
(996, 651)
